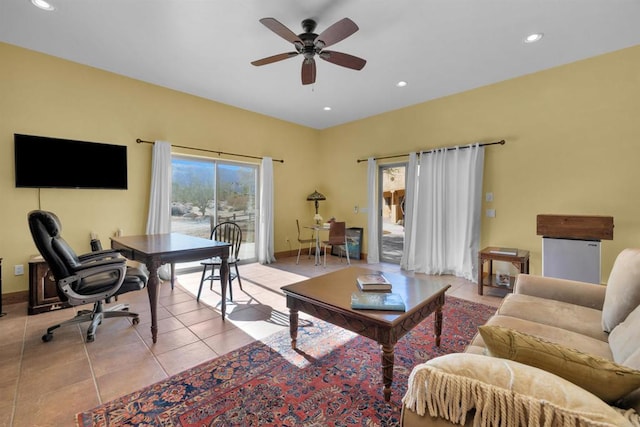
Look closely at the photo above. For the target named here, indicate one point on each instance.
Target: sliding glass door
(206, 192)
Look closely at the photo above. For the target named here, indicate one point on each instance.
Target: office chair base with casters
(94, 316)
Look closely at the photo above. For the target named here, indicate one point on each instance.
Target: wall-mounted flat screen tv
(43, 162)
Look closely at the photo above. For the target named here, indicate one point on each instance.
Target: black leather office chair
(228, 232)
(95, 277)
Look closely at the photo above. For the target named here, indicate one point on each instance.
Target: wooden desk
(519, 261)
(328, 297)
(157, 249)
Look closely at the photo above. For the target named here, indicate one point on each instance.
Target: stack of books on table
(373, 282)
(375, 294)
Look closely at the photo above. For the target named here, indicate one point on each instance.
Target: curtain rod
(501, 142)
(140, 141)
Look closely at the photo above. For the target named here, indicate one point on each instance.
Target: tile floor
(46, 384)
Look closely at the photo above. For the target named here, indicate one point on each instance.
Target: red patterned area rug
(333, 379)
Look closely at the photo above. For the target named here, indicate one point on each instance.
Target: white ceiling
(204, 47)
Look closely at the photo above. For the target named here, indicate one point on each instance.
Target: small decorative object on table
(377, 301)
(503, 278)
(505, 251)
(373, 282)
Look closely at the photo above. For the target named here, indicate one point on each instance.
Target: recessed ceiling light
(42, 4)
(327, 108)
(532, 38)
(401, 84)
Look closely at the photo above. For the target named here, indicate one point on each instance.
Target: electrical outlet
(18, 270)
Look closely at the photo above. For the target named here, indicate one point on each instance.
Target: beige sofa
(556, 352)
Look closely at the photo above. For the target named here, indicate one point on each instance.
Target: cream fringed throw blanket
(499, 392)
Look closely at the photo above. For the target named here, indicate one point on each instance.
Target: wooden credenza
(43, 293)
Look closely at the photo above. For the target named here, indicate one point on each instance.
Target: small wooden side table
(490, 254)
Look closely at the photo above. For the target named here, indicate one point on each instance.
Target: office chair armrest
(92, 269)
(110, 262)
(106, 253)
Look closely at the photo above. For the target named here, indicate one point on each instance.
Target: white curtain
(407, 262)
(445, 229)
(159, 218)
(373, 255)
(265, 236)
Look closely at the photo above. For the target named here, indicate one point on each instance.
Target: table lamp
(316, 197)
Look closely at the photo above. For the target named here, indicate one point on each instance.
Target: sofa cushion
(623, 289)
(624, 339)
(570, 339)
(572, 317)
(497, 392)
(604, 378)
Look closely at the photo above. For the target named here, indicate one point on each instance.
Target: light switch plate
(491, 213)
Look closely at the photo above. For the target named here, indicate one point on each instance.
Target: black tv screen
(43, 162)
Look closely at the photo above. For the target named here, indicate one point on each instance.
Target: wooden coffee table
(328, 297)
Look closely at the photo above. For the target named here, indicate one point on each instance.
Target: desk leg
(224, 280)
(152, 288)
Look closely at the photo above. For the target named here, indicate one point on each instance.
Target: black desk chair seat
(94, 277)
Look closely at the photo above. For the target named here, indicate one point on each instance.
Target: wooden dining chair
(338, 239)
(228, 232)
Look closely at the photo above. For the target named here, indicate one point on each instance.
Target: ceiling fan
(310, 44)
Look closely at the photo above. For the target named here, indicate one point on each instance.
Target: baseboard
(15, 297)
(294, 253)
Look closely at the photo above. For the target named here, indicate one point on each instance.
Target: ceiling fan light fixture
(401, 83)
(42, 4)
(532, 38)
(327, 108)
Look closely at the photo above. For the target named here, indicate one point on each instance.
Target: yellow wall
(571, 148)
(42, 95)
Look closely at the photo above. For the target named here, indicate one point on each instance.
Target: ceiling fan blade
(274, 58)
(278, 28)
(343, 59)
(335, 33)
(308, 71)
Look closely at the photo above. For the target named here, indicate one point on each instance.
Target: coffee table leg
(438, 324)
(293, 326)
(387, 370)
